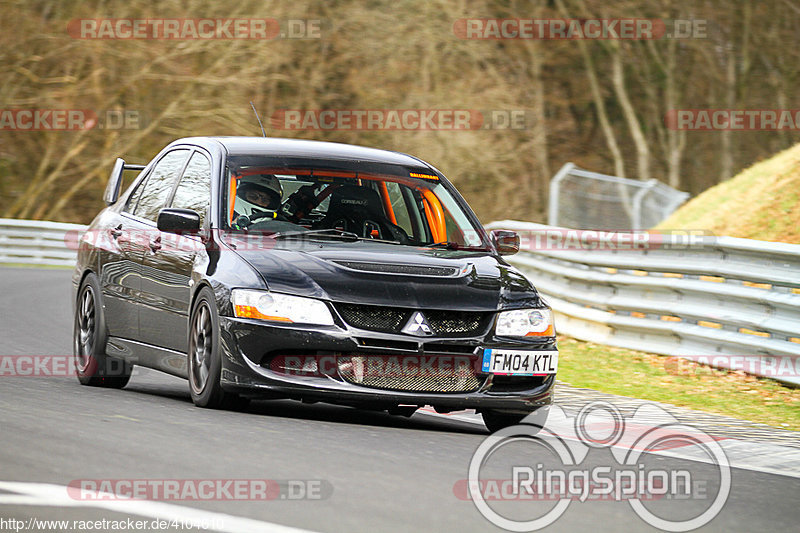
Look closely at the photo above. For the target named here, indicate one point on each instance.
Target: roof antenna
(258, 119)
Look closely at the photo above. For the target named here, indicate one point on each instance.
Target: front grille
(390, 373)
(392, 319)
(410, 270)
(454, 322)
(373, 318)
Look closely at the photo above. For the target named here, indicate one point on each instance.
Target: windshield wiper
(346, 236)
(450, 245)
(329, 232)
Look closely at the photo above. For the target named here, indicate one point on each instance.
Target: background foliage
(399, 55)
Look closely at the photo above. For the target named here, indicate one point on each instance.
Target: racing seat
(359, 210)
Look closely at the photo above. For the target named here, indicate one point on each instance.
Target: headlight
(525, 323)
(279, 307)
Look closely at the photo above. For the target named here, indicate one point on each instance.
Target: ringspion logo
(527, 464)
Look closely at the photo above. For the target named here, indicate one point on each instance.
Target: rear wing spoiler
(111, 195)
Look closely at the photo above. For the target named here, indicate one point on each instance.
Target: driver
(264, 192)
(261, 190)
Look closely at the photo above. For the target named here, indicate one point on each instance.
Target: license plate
(520, 362)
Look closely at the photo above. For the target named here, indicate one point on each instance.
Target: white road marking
(47, 495)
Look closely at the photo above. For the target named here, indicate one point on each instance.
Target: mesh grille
(392, 320)
(373, 317)
(454, 322)
(413, 270)
(378, 373)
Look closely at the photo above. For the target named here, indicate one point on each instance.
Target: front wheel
(205, 363)
(89, 337)
(534, 421)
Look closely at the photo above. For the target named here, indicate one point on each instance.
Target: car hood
(385, 274)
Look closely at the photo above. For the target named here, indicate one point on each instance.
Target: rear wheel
(533, 421)
(205, 363)
(89, 337)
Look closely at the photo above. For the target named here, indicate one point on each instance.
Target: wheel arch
(193, 300)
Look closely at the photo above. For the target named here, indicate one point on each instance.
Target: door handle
(155, 244)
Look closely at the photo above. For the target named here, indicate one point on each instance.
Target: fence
(36, 242)
(714, 296)
(583, 199)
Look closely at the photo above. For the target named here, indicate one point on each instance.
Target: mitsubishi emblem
(417, 325)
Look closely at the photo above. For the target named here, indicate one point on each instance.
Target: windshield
(408, 208)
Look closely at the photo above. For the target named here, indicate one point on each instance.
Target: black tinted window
(159, 184)
(194, 190)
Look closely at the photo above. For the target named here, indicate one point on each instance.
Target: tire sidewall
(211, 395)
(92, 369)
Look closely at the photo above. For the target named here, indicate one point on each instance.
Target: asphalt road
(378, 472)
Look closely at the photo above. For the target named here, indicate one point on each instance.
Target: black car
(266, 268)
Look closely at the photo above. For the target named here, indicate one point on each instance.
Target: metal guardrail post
(555, 188)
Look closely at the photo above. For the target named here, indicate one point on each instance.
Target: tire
(534, 421)
(89, 338)
(204, 361)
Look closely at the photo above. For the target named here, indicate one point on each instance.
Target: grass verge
(678, 382)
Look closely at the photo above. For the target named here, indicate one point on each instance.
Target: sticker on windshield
(423, 176)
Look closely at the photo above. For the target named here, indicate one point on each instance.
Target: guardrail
(35, 242)
(702, 297)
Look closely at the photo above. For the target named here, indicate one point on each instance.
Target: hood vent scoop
(404, 270)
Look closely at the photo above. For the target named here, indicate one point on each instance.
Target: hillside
(761, 202)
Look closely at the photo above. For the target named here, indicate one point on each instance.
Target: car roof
(302, 148)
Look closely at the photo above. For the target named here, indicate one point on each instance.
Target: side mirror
(173, 220)
(111, 194)
(506, 242)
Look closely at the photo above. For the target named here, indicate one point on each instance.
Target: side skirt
(140, 353)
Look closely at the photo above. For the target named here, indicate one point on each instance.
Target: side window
(399, 206)
(159, 184)
(133, 199)
(194, 189)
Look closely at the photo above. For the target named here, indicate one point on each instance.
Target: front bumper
(250, 347)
